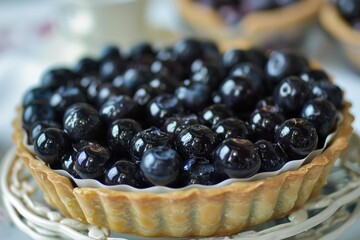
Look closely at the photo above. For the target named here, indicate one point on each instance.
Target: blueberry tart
(263, 22)
(341, 19)
(175, 142)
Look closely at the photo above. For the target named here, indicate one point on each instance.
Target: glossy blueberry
(37, 95)
(297, 137)
(231, 128)
(216, 98)
(82, 122)
(198, 170)
(160, 165)
(68, 163)
(291, 94)
(144, 94)
(195, 141)
(267, 101)
(106, 91)
(282, 64)
(238, 93)
(208, 75)
(314, 75)
(328, 91)
(164, 84)
(51, 144)
(86, 81)
(166, 68)
(213, 114)
(58, 77)
(119, 136)
(87, 66)
(322, 114)
(271, 158)
(237, 157)
(210, 51)
(141, 50)
(194, 96)
(131, 79)
(263, 122)
(233, 57)
(63, 97)
(253, 72)
(162, 107)
(147, 139)
(90, 161)
(122, 172)
(187, 50)
(117, 107)
(37, 112)
(174, 125)
(40, 126)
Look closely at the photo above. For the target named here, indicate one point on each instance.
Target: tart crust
(348, 38)
(257, 26)
(193, 212)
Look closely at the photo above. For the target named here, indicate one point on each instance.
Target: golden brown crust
(254, 26)
(349, 39)
(193, 212)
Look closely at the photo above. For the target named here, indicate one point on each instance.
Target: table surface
(29, 44)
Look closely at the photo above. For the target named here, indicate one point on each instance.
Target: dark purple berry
(63, 97)
(297, 137)
(110, 68)
(160, 165)
(194, 96)
(144, 94)
(82, 122)
(314, 75)
(233, 57)
(328, 91)
(106, 91)
(110, 52)
(142, 50)
(119, 136)
(164, 84)
(51, 144)
(56, 78)
(196, 141)
(40, 126)
(322, 114)
(213, 114)
(37, 112)
(237, 157)
(271, 158)
(291, 94)
(162, 107)
(349, 9)
(132, 79)
(90, 161)
(37, 95)
(122, 172)
(117, 107)
(87, 66)
(68, 163)
(198, 170)
(231, 128)
(187, 50)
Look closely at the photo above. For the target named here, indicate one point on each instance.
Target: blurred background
(38, 34)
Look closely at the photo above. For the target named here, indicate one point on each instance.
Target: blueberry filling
(180, 115)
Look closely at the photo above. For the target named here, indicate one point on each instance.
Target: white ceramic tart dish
(193, 212)
(342, 32)
(261, 27)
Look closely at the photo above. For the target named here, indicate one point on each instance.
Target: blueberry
(167, 68)
(87, 66)
(271, 158)
(314, 75)
(122, 172)
(291, 94)
(110, 52)
(322, 114)
(164, 84)
(90, 161)
(328, 91)
(253, 72)
(144, 94)
(86, 81)
(141, 50)
(162, 107)
(196, 141)
(51, 144)
(208, 75)
(297, 137)
(40, 126)
(111, 68)
(210, 51)
(63, 97)
(58, 77)
(282, 64)
(264, 121)
(119, 135)
(68, 163)
(106, 91)
(211, 115)
(147, 139)
(37, 112)
(233, 57)
(267, 101)
(238, 93)
(37, 95)
(231, 128)
(160, 165)
(194, 96)
(187, 50)
(132, 79)
(237, 157)
(198, 170)
(117, 107)
(174, 125)
(82, 122)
